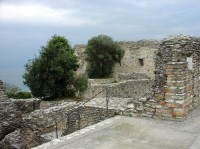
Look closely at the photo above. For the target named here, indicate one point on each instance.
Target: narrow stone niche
(190, 63)
(141, 62)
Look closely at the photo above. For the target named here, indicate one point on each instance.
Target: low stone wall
(27, 105)
(101, 81)
(10, 116)
(124, 89)
(88, 116)
(40, 126)
(132, 76)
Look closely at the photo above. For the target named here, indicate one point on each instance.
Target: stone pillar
(176, 87)
(1, 88)
(177, 68)
(196, 74)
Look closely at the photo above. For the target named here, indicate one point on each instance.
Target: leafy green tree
(51, 74)
(102, 52)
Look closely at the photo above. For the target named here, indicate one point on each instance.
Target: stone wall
(139, 58)
(40, 126)
(10, 116)
(135, 53)
(88, 116)
(125, 89)
(80, 52)
(176, 89)
(177, 85)
(27, 105)
(1, 88)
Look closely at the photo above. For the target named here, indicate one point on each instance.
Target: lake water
(13, 76)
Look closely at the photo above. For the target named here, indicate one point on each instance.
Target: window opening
(141, 61)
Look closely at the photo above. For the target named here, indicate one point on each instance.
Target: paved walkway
(134, 133)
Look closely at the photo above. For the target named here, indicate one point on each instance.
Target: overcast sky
(25, 25)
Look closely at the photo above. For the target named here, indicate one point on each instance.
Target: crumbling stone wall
(80, 52)
(27, 105)
(139, 58)
(138, 52)
(176, 88)
(40, 126)
(1, 88)
(88, 116)
(124, 89)
(177, 85)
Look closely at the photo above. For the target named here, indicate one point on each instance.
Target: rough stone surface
(1, 88)
(177, 75)
(12, 140)
(10, 116)
(134, 50)
(123, 89)
(40, 125)
(27, 105)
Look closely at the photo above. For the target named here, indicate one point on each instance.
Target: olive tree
(102, 52)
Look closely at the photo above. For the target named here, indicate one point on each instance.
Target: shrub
(10, 90)
(15, 92)
(23, 95)
(81, 84)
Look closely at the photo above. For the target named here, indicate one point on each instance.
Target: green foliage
(51, 74)
(11, 90)
(23, 95)
(81, 84)
(15, 92)
(102, 52)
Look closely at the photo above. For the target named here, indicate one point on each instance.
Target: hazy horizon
(25, 26)
(13, 77)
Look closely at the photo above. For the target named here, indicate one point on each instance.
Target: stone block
(167, 113)
(175, 83)
(173, 72)
(175, 91)
(190, 87)
(159, 96)
(139, 108)
(148, 114)
(175, 66)
(175, 78)
(179, 112)
(175, 96)
(143, 99)
(149, 109)
(130, 105)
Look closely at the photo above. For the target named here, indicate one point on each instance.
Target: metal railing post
(107, 101)
(78, 117)
(56, 129)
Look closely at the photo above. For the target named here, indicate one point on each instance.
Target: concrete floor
(134, 133)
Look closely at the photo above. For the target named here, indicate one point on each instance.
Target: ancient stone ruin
(157, 79)
(161, 77)
(177, 75)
